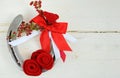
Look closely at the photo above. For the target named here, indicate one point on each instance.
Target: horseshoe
(13, 49)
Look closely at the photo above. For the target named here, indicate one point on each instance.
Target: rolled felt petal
(30, 67)
(36, 54)
(45, 60)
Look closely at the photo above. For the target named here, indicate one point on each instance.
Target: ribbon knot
(60, 27)
(57, 30)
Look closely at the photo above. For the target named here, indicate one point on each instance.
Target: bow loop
(39, 20)
(60, 27)
(56, 29)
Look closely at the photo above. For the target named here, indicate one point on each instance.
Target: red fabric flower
(30, 67)
(36, 53)
(45, 60)
(50, 17)
(39, 61)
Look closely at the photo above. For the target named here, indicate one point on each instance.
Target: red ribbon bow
(57, 29)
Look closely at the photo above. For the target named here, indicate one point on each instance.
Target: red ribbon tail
(60, 42)
(63, 55)
(45, 41)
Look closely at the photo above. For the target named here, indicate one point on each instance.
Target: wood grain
(95, 25)
(95, 55)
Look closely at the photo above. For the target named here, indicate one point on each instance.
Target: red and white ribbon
(55, 34)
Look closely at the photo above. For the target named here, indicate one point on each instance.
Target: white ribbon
(69, 37)
(23, 39)
(35, 33)
(55, 48)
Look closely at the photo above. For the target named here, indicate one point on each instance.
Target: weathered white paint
(95, 55)
(81, 14)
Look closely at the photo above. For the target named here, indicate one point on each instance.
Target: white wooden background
(95, 55)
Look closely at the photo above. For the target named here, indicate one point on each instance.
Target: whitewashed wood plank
(80, 14)
(93, 56)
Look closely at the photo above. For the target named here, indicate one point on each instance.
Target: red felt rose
(30, 67)
(45, 60)
(50, 17)
(36, 53)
